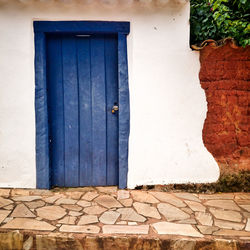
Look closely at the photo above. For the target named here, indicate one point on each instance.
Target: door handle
(115, 108)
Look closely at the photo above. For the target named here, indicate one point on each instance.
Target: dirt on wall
(225, 75)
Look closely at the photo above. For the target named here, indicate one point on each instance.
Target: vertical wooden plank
(98, 110)
(85, 110)
(124, 110)
(55, 109)
(71, 122)
(111, 67)
(42, 140)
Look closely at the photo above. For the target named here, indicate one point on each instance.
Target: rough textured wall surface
(224, 75)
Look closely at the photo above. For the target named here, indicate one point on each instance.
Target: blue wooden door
(82, 75)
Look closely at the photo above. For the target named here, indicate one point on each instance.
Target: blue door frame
(41, 28)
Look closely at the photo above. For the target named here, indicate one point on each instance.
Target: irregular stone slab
(107, 201)
(20, 192)
(74, 213)
(5, 202)
(243, 202)
(245, 214)
(142, 196)
(74, 195)
(107, 190)
(132, 223)
(80, 229)
(246, 207)
(88, 219)
(225, 204)
(187, 221)
(121, 223)
(196, 206)
(72, 207)
(52, 199)
(226, 215)
(35, 204)
(247, 225)
(41, 192)
(94, 210)
(176, 229)
(22, 211)
(228, 224)
(207, 229)
(245, 238)
(28, 224)
(82, 189)
(130, 214)
(84, 203)
(8, 219)
(3, 215)
(51, 212)
(242, 196)
(9, 207)
(89, 196)
(4, 192)
(109, 217)
(223, 196)
(125, 229)
(228, 232)
(68, 220)
(169, 198)
(187, 210)
(172, 213)
(146, 210)
(204, 218)
(122, 194)
(26, 198)
(65, 201)
(127, 202)
(187, 196)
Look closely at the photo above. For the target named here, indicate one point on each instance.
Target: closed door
(82, 75)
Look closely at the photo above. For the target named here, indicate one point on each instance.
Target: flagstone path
(107, 210)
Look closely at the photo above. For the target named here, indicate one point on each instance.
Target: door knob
(115, 108)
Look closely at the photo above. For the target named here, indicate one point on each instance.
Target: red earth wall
(224, 75)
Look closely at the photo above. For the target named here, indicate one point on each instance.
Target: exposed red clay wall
(224, 75)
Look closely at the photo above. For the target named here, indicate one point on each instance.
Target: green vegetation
(219, 19)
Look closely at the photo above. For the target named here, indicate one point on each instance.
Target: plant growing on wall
(218, 19)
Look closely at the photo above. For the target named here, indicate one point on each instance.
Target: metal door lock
(115, 108)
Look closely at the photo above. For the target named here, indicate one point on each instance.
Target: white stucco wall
(168, 106)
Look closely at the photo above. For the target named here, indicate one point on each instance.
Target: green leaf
(219, 19)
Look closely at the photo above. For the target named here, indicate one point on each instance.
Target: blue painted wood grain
(111, 69)
(56, 108)
(98, 110)
(42, 140)
(85, 111)
(92, 27)
(71, 113)
(124, 111)
(42, 134)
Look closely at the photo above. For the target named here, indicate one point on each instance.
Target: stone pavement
(109, 212)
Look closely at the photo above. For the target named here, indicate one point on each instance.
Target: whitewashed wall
(168, 106)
